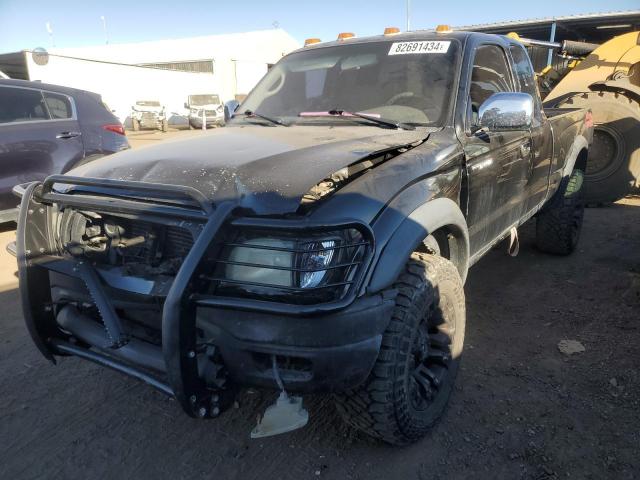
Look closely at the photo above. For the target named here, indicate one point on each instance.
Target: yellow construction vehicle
(605, 78)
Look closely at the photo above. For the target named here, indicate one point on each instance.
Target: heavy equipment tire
(613, 165)
(559, 223)
(136, 124)
(410, 383)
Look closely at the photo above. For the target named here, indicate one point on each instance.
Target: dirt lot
(521, 408)
(150, 137)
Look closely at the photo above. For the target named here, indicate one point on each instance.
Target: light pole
(408, 15)
(50, 32)
(104, 28)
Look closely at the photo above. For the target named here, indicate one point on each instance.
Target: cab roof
(418, 35)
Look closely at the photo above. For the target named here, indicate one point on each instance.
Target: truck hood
(262, 168)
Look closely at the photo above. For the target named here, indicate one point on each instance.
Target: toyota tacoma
(320, 243)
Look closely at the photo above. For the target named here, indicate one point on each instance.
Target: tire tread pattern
(555, 222)
(380, 407)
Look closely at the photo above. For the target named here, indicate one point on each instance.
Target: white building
(166, 70)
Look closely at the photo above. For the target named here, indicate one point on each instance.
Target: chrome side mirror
(506, 111)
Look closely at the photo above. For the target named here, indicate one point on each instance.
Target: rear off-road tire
(410, 383)
(559, 223)
(613, 165)
(136, 124)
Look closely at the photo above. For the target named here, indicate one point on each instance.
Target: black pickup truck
(318, 244)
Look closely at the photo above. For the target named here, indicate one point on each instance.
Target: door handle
(68, 134)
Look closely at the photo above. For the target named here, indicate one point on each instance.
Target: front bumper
(316, 349)
(196, 122)
(330, 352)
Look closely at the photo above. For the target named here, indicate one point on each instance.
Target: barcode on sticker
(406, 48)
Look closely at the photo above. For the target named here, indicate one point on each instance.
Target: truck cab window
(490, 75)
(524, 71)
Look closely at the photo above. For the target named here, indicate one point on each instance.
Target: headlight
(316, 262)
(316, 267)
(280, 261)
(194, 111)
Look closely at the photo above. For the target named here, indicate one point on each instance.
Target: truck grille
(160, 241)
(118, 241)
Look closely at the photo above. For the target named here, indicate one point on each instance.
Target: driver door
(496, 162)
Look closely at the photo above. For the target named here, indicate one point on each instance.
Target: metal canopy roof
(592, 27)
(14, 65)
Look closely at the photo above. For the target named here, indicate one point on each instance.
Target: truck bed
(554, 112)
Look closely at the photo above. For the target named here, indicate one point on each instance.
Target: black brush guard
(178, 351)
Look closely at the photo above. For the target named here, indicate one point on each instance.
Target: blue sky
(77, 23)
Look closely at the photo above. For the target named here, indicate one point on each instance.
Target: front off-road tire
(410, 383)
(559, 223)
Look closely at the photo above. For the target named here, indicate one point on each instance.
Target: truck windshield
(199, 100)
(148, 103)
(410, 82)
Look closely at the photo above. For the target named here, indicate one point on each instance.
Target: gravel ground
(521, 409)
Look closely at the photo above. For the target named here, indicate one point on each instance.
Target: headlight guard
(303, 266)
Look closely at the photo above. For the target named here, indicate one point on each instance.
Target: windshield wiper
(277, 121)
(384, 122)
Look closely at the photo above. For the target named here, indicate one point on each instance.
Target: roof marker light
(311, 41)
(391, 31)
(443, 29)
(345, 35)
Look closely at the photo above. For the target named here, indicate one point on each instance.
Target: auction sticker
(406, 48)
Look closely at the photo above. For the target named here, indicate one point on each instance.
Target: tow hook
(285, 415)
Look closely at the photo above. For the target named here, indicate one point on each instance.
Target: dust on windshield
(199, 100)
(410, 82)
